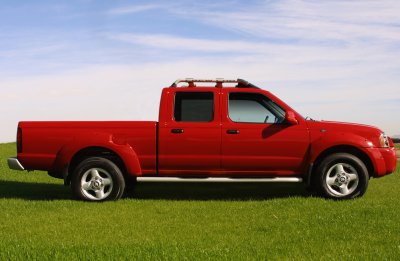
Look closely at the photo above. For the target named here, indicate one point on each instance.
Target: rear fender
(103, 140)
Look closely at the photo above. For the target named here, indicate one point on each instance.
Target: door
(255, 138)
(190, 139)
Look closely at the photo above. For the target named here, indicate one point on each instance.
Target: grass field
(39, 220)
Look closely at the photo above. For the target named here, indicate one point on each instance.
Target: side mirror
(290, 118)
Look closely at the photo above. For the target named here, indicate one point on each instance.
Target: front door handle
(232, 131)
(177, 131)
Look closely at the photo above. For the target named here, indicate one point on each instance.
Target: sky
(108, 60)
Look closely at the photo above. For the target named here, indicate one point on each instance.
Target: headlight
(384, 141)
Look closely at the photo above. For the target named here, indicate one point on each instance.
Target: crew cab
(208, 130)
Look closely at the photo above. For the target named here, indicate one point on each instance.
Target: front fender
(333, 139)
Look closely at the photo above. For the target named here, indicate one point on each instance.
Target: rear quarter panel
(50, 145)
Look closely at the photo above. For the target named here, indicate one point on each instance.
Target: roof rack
(219, 81)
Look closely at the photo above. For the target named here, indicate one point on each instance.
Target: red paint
(220, 147)
(263, 149)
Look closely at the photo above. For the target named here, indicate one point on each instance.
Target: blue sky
(108, 60)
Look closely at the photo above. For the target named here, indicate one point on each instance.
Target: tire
(97, 179)
(341, 176)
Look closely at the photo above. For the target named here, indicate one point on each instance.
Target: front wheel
(97, 179)
(341, 176)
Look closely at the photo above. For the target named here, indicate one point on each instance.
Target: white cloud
(288, 61)
(346, 21)
(132, 9)
(163, 41)
(31, 50)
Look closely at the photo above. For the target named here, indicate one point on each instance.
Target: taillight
(19, 140)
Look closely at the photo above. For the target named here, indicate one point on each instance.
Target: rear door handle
(232, 131)
(177, 131)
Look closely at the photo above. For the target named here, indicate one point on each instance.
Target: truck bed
(42, 141)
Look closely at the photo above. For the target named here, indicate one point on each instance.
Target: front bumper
(383, 159)
(390, 158)
(13, 163)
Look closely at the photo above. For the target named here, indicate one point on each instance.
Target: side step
(239, 180)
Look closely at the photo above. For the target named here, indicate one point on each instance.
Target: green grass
(40, 220)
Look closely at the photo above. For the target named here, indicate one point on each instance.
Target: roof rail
(219, 81)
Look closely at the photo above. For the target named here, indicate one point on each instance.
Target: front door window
(254, 108)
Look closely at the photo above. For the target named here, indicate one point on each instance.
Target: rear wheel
(341, 176)
(97, 179)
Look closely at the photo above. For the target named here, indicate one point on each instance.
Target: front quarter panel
(328, 135)
(322, 140)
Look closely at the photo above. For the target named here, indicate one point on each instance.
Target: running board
(239, 180)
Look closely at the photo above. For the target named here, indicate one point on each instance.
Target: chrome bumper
(13, 163)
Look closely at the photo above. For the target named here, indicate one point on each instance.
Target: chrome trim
(191, 81)
(384, 141)
(239, 180)
(13, 163)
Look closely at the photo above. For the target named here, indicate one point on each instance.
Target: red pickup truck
(236, 132)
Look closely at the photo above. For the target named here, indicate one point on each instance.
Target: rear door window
(194, 106)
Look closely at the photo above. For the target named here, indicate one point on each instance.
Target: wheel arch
(95, 151)
(343, 149)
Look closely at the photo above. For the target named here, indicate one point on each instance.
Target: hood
(361, 129)
(368, 133)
